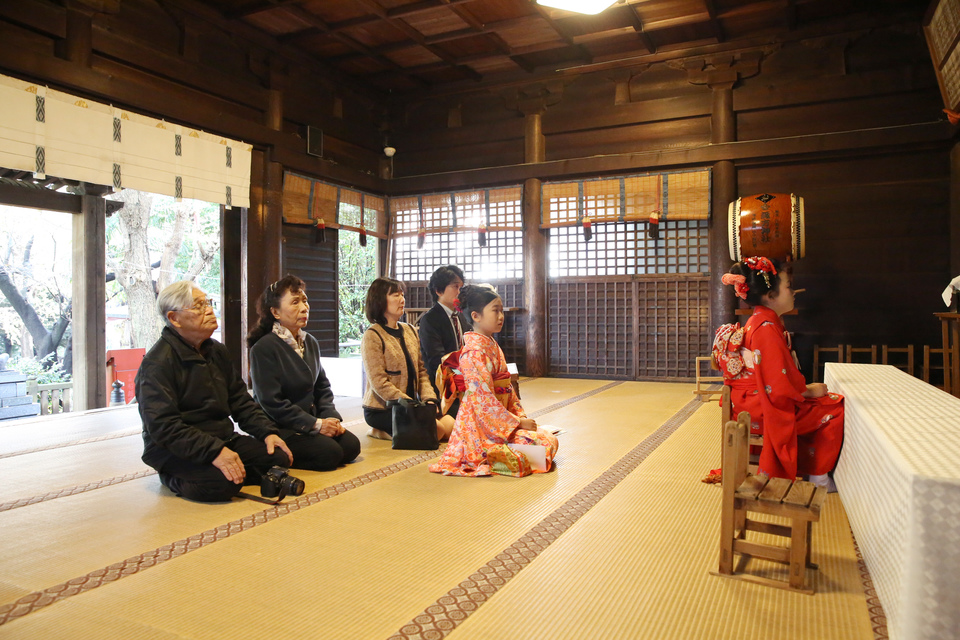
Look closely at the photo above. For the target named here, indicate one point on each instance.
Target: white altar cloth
(899, 480)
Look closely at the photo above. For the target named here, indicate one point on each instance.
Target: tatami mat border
(62, 493)
(72, 443)
(443, 616)
(569, 401)
(23, 502)
(39, 599)
(878, 619)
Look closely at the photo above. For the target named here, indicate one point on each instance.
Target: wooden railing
(54, 398)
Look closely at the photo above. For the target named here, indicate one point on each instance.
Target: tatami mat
(73, 535)
(637, 566)
(390, 543)
(375, 553)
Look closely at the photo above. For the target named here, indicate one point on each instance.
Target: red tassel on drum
(653, 229)
(320, 232)
(363, 237)
(587, 228)
(421, 237)
(482, 235)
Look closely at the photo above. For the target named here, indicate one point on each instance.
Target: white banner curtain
(50, 132)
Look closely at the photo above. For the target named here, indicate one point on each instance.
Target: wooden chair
(799, 502)
(907, 366)
(704, 394)
(817, 350)
(944, 355)
(872, 350)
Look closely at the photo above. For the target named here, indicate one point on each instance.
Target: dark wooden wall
(851, 121)
(316, 264)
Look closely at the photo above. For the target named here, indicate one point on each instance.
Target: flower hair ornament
(739, 284)
(763, 265)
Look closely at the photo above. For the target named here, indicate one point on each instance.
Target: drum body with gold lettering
(767, 224)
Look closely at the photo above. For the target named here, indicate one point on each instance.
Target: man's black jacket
(186, 399)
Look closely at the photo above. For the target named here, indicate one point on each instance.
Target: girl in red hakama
(801, 424)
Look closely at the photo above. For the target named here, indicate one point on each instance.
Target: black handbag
(414, 425)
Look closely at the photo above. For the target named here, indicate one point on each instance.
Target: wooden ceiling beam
(315, 21)
(491, 29)
(416, 36)
(711, 6)
(251, 34)
(638, 26)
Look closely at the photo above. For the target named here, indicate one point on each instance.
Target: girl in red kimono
(490, 416)
(801, 424)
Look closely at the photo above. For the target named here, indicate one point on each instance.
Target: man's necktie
(457, 330)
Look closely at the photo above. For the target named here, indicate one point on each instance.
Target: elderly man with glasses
(188, 391)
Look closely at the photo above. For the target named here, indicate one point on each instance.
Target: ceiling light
(589, 7)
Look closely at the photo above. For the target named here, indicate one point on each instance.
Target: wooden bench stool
(799, 502)
(817, 350)
(872, 350)
(928, 366)
(904, 366)
(704, 394)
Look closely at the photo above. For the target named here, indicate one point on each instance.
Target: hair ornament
(739, 284)
(763, 265)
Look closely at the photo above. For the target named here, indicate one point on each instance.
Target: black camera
(278, 482)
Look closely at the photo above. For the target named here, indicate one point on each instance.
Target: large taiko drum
(767, 224)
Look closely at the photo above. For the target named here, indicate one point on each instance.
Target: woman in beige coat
(391, 360)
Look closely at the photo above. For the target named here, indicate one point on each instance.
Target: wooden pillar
(724, 190)
(955, 211)
(261, 236)
(89, 305)
(231, 268)
(534, 253)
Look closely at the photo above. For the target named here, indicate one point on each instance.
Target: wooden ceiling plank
(257, 37)
(417, 37)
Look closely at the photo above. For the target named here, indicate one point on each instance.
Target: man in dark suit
(441, 330)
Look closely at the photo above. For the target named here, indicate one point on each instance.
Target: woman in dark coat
(289, 383)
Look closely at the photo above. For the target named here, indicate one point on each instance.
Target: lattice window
(601, 200)
(625, 248)
(591, 328)
(349, 211)
(560, 203)
(673, 320)
(501, 258)
(471, 209)
(506, 210)
(405, 214)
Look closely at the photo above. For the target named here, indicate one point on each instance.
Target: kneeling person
(188, 390)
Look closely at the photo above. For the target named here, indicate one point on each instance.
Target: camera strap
(262, 500)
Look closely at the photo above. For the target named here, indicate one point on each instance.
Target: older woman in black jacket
(289, 383)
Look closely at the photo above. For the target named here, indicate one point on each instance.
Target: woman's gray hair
(175, 297)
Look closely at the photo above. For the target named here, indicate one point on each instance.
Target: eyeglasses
(200, 307)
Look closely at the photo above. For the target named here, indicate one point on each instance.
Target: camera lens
(294, 486)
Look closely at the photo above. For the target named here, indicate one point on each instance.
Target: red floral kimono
(489, 416)
(800, 435)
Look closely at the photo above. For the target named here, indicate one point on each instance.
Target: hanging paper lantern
(654, 228)
(587, 228)
(320, 231)
(421, 237)
(482, 235)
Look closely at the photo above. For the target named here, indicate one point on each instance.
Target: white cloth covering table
(898, 477)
